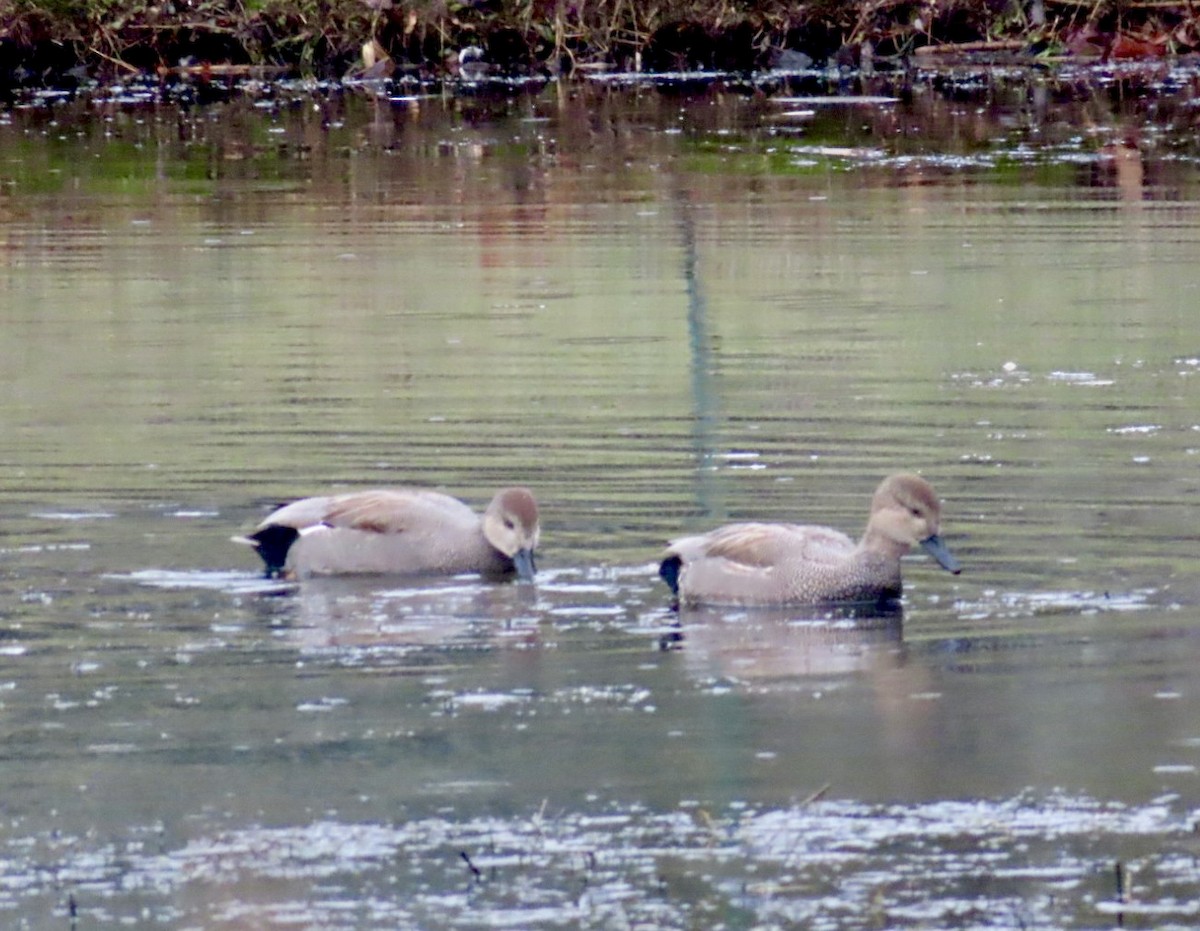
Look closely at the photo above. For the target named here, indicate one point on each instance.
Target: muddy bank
(52, 43)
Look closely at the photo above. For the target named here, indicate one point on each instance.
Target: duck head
(905, 512)
(510, 524)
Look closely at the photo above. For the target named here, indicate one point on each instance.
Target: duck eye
(508, 523)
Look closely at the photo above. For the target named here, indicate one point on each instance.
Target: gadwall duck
(408, 531)
(780, 564)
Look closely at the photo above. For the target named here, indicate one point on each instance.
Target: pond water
(660, 307)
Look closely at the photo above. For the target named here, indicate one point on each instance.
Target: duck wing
(382, 511)
(765, 545)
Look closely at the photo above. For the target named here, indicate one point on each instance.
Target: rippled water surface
(660, 308)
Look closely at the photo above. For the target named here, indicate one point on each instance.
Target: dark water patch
(1018, 126)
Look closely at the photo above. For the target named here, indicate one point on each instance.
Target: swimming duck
(780, 564)
(407, 531)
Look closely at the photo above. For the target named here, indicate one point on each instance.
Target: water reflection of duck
(360, 612)
(778, 564)
(402, 530)
(776, 644)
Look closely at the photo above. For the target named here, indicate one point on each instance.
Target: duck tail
(668, 571)
(272, 543)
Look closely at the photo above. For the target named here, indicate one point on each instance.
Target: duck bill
(525, 567)
(937, 549)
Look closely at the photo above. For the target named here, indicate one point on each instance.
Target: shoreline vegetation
(63, 43)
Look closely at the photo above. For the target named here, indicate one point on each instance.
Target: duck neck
(875, 541)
